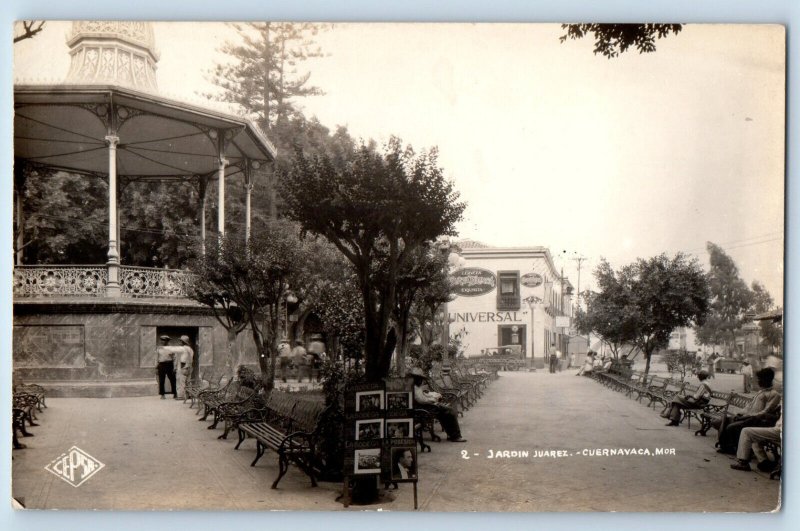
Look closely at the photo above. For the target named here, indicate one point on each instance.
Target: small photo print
(399, 428)
(404, 462)
(367, 430)
(398, 400)
(369, 401)
(368, 461)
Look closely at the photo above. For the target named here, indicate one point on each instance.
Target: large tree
(771, 332)
(423, 272)
(377, 208)
(647, 300)
(730, 301)
(265, 76)
(611, 40)
(606, 313)
(253, 278)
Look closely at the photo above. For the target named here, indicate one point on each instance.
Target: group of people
(594, 362)
(175, 365)
(744, 434)
(306, 362)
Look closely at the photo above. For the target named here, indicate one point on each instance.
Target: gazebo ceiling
(64, 127)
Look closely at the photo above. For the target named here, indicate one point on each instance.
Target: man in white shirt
(184, 367)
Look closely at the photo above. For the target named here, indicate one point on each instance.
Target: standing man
(747, 375)
(299, 356)
(166, 366)
(184, 368)
(553, 358)
(285, 358)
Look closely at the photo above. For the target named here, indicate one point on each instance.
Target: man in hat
(184, 368)
(166, 366)
(431, 401)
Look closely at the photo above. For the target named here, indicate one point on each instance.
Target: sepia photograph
(569, 237)
(404, 463)
(399, 428)
(367, 401)
(368, 461)
(367, 430)
(398, 400)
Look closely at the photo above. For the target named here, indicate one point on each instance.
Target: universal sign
(472, 282)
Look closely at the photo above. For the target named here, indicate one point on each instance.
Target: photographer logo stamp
(74, 466)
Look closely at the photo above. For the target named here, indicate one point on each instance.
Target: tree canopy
(643, 302)
(730, 301)
(611, 40)
(377, 208)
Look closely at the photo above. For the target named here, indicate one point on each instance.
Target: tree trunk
(647, 356)
(232, 354)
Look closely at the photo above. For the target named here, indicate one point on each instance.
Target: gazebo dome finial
(113, 52)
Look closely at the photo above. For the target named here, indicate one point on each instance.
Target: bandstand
(90, 330)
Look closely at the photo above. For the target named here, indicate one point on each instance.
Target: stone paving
(158, 456)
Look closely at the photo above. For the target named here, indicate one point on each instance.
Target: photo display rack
(379, 434)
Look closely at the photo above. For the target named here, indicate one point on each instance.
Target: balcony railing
(508, 302)
(91, 281)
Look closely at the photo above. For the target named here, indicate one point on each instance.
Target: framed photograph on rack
(399, 428)
(370, 429)
(404, 463)
(369, 401)
(367, 461)
(398, 400)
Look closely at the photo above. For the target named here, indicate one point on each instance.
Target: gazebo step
(99, 389)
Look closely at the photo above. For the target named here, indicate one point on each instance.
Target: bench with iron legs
(453, 397)
(290, 427)
(663, 395)
(720, 406)
(210, 400)
(207, 382)
(23, 412)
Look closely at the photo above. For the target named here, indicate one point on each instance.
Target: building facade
(510, 298)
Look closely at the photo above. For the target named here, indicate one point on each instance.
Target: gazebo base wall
(107, 347)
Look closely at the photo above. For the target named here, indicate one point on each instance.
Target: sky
(548, 143)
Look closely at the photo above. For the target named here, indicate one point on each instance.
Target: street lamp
(532, 301)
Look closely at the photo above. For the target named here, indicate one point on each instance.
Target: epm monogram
(74, 466)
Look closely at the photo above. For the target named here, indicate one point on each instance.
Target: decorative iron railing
(91, 281)
(150, 282)
(60, 281)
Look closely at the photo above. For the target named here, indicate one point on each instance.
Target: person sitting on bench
(698, 400)
(431, 401)
(762, 413)
(752, 441)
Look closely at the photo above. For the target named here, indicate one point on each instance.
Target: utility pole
(579, 260)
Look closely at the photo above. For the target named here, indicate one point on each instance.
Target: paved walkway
(158, 456)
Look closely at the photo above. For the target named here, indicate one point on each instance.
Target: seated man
(752, 441)
(431, 400)
(763, 412)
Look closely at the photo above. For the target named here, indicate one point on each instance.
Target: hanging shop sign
(472, 281)
(531, 280)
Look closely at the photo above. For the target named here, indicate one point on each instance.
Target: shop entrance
(511, 336)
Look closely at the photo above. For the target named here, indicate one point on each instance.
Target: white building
(510, 297)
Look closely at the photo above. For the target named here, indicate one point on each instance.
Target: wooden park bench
(663, 395)
(451, 396)
(22, 411)
(208, 381)
(471, 386)
(33, 389)
(289, 426)
(638, 384)
(721, 405)
(210, 400)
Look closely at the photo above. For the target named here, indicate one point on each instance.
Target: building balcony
(92, 281)
(508, 302)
